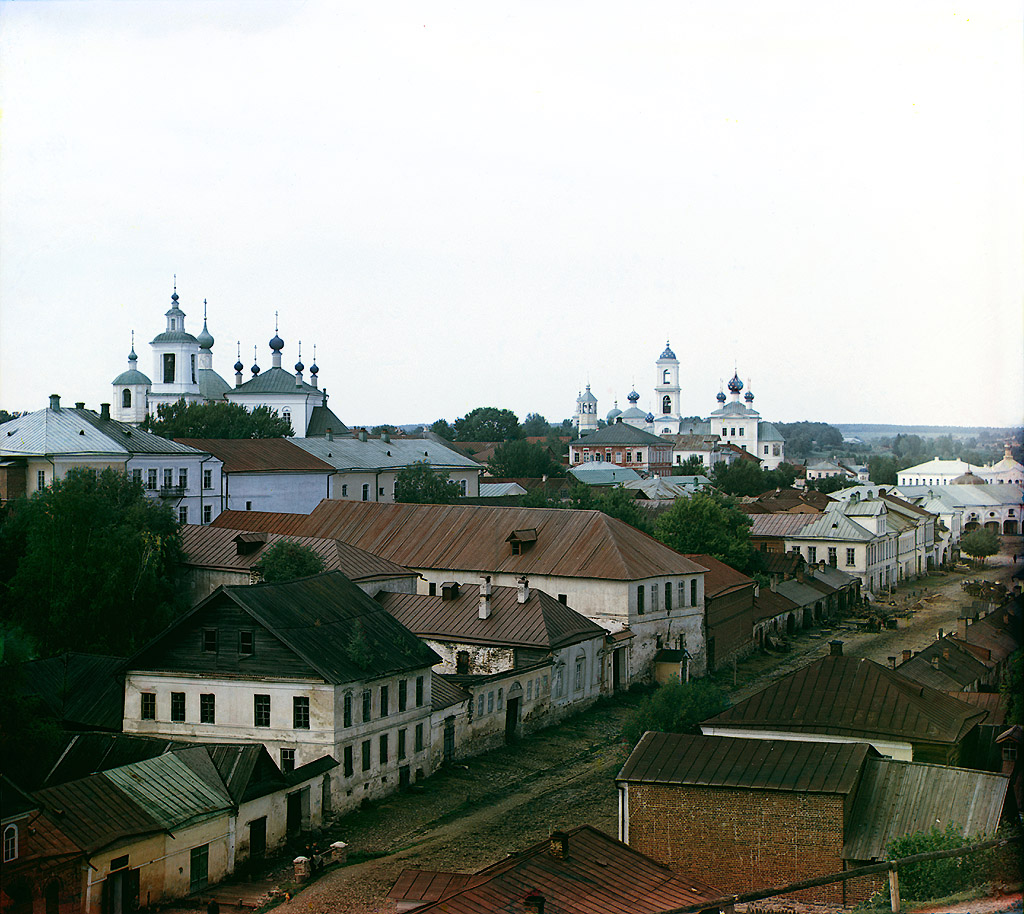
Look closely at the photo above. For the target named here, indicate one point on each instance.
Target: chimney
(800, 574)
(484, 612)
(386, 438)
(80, 404)
(330, 434)
(559, 845)
(962, 627)
(938, 636)
(835, 648)
(907, 654)
(524, 590)
(892, 662)
(534, 903)
(55, 402)
(450, 590)
(821, 564)
(773, 586)
(105, 411)
(362, 434)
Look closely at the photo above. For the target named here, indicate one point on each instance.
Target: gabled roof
(541, 622)
(570, 543)
(603, 474)
(322, 418)
(86, 690)
(856, 699)
(211, 385)
(769, 604)
(444, 693)
(350, 453)
(663, 488)
(944, 664)
(720, 579)
(317, 618)
(619, 433)
(899, 798)
(259, 455)
(832, 526)
(692, 442)
(779, 524)
(597, 875)
(800, 592)
(768, 432)
(750, 764)
(132, 438)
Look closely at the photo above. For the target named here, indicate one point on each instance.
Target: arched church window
(286, 414)
(126, 398)
(666, 404)
(168, 368)
(666, 377)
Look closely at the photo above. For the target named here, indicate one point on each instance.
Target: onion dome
(749, 396)
(205, 338)
(668, 353)
(132, 357)
(255, 364)
(720, 396)
(276, 344)
(239, 366)
(614, 413)
(314, 369)
(650, 418)
(299, 366)
(735, 384)
(633, 397)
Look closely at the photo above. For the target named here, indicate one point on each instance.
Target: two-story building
(624, 445)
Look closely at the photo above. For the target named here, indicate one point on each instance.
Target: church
(734, 421)
(183, 368)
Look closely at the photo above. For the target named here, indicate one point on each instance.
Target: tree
(535, 425)
(7, 417)
(615, 502)
(421, 484)
(741, 477)
(676, 707)
(708, 523)
(97, 564)
(216, 420)
(487, 423)
(443, 429)
(692, 466)
(384, 430)
(829, 484)
(882, 470)
(980, 543)
(781, 477)
(521, 459)
(802, 438)
(286, 561)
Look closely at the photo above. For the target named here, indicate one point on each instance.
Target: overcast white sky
(491, 203)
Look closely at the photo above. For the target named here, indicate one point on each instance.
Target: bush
(675, 707)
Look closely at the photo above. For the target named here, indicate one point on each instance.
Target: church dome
(277, 344)
(299, 366)
(735, 384)
(239, 366)
(649, 417)
(668, 353)
(314, 369)
(614, 414)
(720, 396)
(968, 479)
(586, 396)
(749, 396)
(205, 338)
(633, 397)
(131, 376)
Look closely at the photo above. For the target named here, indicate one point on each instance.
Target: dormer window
(10, 843)
(521, 540)
(450, 590)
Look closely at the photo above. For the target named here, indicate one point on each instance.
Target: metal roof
(954, 667)
(82, 689)
(131, 376)
(570, 543)
(852, 698)
(750, 764)
(378, 454)
(444, 693)
(275, 381)
(800, 593)
(499, 489)
(779, 524)
(898, 798)
(211, 385)
(321, 419)
(540, 622)
(619, 433)
(206, 546)
(720, 579)
(830, 525)
(768, 432)
(768, 604)
(665, 488)
(603, 474)
(259, 455)
(61, 431)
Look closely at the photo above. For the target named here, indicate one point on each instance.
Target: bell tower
(666, 390)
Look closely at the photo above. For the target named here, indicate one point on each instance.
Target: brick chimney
(835, 648)
(484, 612)
(524, 589)
(559, 845)
(907, 654)
(80, 404)
(892, 662)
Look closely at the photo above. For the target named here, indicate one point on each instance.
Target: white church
(183, 368)
(734, 422)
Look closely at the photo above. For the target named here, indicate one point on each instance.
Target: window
(207, 513)
(287, 759)
(349, 765)
(192, 358)
(367, 705)
(462, 486)
(432, 589)
(383, 749)
(366, 755)
(419, 738)
(563, 599)
(668, 596)
(248, 506)
(286, 414)
(812, 554)
(693, 591)
(380, 491)
(654, 598)
(419, 691)
(629, 456)
(150, 479)
(832, 556)
(41, 479)
(732, 432)
(490, 702)
(344, 490)
(385, 701)
(168, 368)
(558, 683)
(207, 479)
(403, 698)
(300, 712)
(666, 404)
(775, 450)
(480, 705)
(148, 709)
(529, 690)
(10, 843)
(366, 491)
(207, 708)
(401, 744)
(682, 593)
(183, 477)
(640, 599)
(246, 643)
(209, 641)
(725, 433)
(578, 681)
(462, 663)
(168, 478)
(261, 710)
(178, 707)
(348, 709)
(136, 476)
(126, 399)
(545, 686)
(501, 699)
(741, 431)
(766, 450)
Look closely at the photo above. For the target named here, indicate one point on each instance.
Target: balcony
(172, 491)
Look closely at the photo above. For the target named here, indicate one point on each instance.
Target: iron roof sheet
(211, 385)
(853, 698)
(831, 526)
(378, 454)
(751, 764)
(779, 524)
(275, 381)
(444, 693)
(571, 543)
(134, 439)
(322, 419)
(769, 604)
(61, 431)
(768, 432)
(82, 689)
(720, 579)
(899, 798)
(619, 433)
(259, 455)
(603, 474)
(800, 593)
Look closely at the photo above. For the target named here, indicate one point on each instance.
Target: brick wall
(741, 840)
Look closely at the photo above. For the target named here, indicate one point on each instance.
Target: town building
(992, 506)
(623, 445)
(938, 472)
(585, 418)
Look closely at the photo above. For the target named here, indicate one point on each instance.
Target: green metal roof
(275, 381)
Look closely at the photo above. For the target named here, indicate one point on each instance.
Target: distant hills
(867, 431)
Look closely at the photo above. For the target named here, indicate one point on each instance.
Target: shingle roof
(259, 455)
(541, 622)
(751, 764)
(856, 699)
(619, 433)
(570, 543)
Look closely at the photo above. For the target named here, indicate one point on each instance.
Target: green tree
(979, 544)
(741, 477)
(286, 561)
(781, 477)
(443, 429)
(803, 438)
(692, 466)
(535, 425)
(423, 485)
(487, 423)
(675, 707)
(882, 469)
(384, 430)
(829, 484)
(216, 420)
(1012, 689)
(97, 564)
(7, 417)
(519, 458)
(711, 524)
(939, 878)
(615, 502)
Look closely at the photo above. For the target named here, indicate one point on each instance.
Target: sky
(469, 204)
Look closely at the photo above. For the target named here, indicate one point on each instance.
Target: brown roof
(856, 699)
(768, 604)
(570, 543)
(542, 621)
(444, 693)
(597, 875)
(786, 499)
(785, 563)
(426, 885)
(259, 455)
(780, 524)
(752, 764)
(994, 704)
(720, 578)
(206, 546)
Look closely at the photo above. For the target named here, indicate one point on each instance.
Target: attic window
(248, 543)
(521, 540)
(450, 590)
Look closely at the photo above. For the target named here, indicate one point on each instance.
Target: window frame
(300, 712)
(178, 712)
(147, 706)
(207, 708)
(261, 710)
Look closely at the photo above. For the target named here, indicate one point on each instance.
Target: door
(199, 869)
(403, 777)
(258, 839)
(617, 670)
(293, 821)
(449, 739)
(121, 892)
(512, 719)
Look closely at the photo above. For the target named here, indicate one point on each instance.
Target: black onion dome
(277, 344)
(749, 396)
(313, 369)
(299, 366)
(255, 369)
(239, 366)
(649, 417)
(735, 384)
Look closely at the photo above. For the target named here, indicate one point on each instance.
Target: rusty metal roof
(259, 455)
(207, 546)
(853, 698)
(541, 622)
(779, 524)
(597, 875)
(720, 578)
(444, 693)
(899, 798)
(570, 543)
(769, 604)
(752, 764)
(944, 664)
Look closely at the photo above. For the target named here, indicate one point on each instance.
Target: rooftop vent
(559, 845)
(54, 402)
(450, 590)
